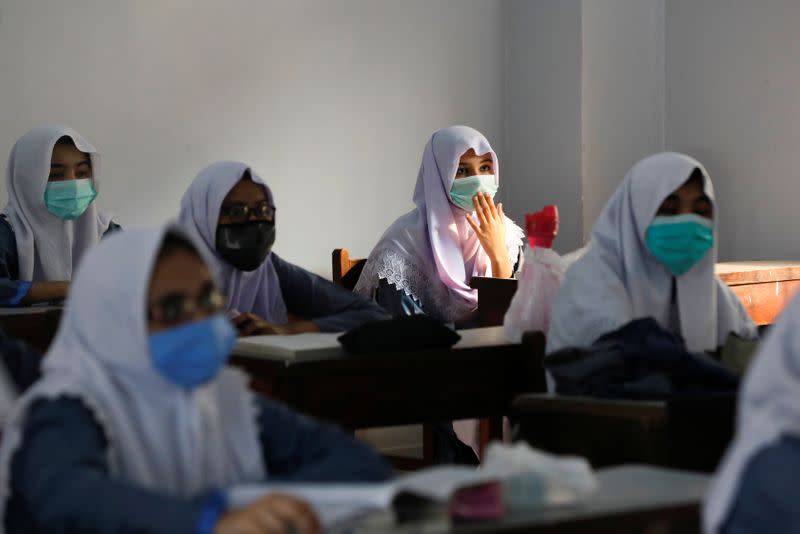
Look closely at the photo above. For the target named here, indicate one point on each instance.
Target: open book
(511, 477)
(338, 504)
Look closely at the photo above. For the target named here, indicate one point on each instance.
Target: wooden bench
(764, 287)
(37, 326)
(683, 433)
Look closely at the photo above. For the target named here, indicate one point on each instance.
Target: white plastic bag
(533, 478)
(540, 277)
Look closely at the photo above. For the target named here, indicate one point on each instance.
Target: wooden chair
(345, 270)
(683, 433)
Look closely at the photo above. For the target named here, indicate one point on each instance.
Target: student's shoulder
(279, 263)
(63, 411)
(5, 226)
(771, 463)
(768, 491)
(283, 267)
(272, 413)
(7, 239)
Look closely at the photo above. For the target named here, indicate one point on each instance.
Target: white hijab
(619, 280)
(431, 253)
(49, 248)
(768, 409)
(160, 436)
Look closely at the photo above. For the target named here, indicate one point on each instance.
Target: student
(50, 220)
(652, 254)
(426, 259)
(232, 211)
(755, 489)
(156, 425)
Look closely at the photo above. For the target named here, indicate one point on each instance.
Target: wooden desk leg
(427, 443)
(488, 430)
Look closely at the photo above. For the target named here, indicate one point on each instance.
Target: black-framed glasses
(176, 307)
(239, 212)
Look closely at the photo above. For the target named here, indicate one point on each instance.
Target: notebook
(313, 345)
(316, 345)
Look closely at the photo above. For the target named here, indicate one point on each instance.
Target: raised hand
(489, 224)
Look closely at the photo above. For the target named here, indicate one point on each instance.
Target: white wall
(623, 102)
(585, 101)
(733, 101)
(543, 163)
(332, 102)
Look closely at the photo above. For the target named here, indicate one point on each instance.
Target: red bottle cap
(542, 227)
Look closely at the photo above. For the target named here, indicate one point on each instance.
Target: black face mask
(245, 245)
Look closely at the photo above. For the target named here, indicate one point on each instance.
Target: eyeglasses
(176, 307)
(240, 212)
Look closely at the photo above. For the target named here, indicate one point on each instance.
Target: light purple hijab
(431, 253)
(257, 291)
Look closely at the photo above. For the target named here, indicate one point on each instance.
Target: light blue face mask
(464, 189)
(69, 199)
(192, 354)
(680, 241)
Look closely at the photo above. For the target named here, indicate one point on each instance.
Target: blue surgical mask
(69, 199)
(192, 354)
(680, 241)
(464, 189)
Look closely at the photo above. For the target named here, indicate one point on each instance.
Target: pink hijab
(431, 253)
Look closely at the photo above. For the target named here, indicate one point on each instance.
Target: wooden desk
(494, 298)
(685, 434)
(630, 499)
(479, 377)
(36, 326)
(764, 287)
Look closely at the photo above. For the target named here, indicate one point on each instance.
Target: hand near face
(489, 225)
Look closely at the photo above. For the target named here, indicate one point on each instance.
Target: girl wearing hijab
(652, 254)
(231, 210)
(135, 382)
(426, 259)
(50, 220)
(755, 489)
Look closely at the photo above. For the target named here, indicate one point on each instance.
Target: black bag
(640, 360)
(415, 332)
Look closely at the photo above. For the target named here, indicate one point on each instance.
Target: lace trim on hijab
(404, 273)
(515, 237)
